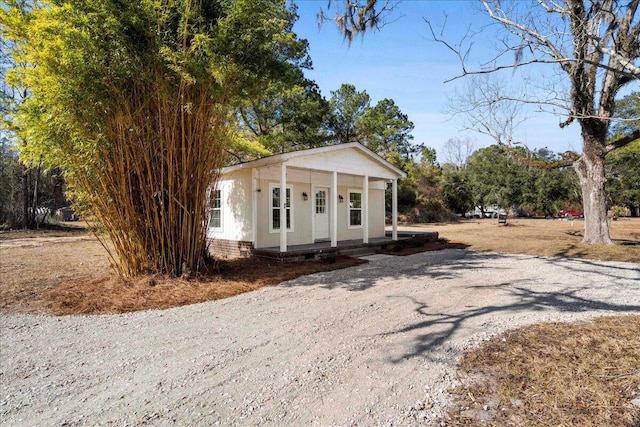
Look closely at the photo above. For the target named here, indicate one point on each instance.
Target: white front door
(321, 213)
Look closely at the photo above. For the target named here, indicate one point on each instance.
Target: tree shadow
(590, 285)
(570, 249)
(439, 327)
(578, 264)
(607, 269)
(437, 265)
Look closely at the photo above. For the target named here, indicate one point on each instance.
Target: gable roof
(308, 159)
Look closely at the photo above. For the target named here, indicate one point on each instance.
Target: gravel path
(370, 345)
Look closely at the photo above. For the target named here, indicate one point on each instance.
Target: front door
(321, 213)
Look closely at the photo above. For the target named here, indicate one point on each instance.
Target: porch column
(254, 207)
(334, 210)
(365, 209)
(283, 207)
(394, 209)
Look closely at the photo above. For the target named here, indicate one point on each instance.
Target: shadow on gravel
(439, 327)
(441, 265)
(528, 294)
(579, 265)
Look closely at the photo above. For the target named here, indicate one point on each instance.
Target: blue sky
(401, 62)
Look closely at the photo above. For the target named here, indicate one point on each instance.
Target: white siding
(301, 233)
(304, 173)
(376, 215)
(236, 207)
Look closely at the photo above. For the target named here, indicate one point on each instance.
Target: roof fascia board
(283, 157)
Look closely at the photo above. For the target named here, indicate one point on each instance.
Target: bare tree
(457, 150)
(487, 106)
(490, 106)
(595, 46)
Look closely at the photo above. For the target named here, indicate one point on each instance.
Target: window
(215, 213)
(275, 220)
(321, 201)
(355, 209)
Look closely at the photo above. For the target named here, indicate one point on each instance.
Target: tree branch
(353, 18)
(567, 159)
(622, 142)
(508, 23)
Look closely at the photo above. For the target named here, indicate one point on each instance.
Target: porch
(324, 249)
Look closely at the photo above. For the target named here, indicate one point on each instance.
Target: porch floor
(323, 249)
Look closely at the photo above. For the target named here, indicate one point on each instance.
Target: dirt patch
(111, 294)
(33, 263)
(66, 271)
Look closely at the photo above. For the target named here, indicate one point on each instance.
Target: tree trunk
(590, 170)
(25, 197)
(34, 205)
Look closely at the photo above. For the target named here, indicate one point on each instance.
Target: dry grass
(554, 374)
(541, 237)
(33, 263)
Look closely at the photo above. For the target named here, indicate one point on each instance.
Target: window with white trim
(215, 212)
(274, 211)
(321, 201)
(354, 208)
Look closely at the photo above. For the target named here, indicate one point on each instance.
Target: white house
(332, 194)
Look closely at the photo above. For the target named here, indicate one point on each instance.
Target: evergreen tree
(134, 100)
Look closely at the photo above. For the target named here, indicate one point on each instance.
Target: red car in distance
(570, 213)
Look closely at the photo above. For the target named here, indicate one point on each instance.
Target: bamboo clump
(164, 147)
(135, 102)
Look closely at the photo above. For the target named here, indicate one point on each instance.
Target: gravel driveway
(375, 344)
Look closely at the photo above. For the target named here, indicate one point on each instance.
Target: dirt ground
(66, 271)
(374, 344)
(34, 263)
(62, 273)
(371, 345)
